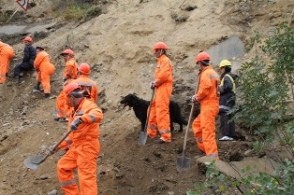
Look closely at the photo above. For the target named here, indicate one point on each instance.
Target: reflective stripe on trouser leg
(209, 113)
(87, 167)
(65, 167)
(152, 131)
(152, 127)
(162, 99)
(165, 135)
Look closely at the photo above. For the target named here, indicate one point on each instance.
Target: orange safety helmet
(71, 87)
(202, 56)
(84, 68)
(28, 39)
(67, 52)
(160, 45)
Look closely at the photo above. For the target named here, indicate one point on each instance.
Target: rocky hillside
(116, 41)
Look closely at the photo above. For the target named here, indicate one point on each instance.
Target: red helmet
(160, 45)
(202, 56)
(28, 39)
(68, 52)
(84, 68)
(70, 88)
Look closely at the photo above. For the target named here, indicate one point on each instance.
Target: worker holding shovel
(84, 144)
(159, 107)
(208, 96)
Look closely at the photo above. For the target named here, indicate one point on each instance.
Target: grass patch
(76, 9)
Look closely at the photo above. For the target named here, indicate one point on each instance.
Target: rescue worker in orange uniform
(29, 55)
(70, 73)
(208, 96)
(84, 145)
(6, 54)
(45, 70)
(159, 119)
(88, 86)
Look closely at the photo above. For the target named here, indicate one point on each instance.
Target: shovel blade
(142, 138)
(183, 163)
(33, 162)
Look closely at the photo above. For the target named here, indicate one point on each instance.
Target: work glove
(192, 99)
(74, 125)
(152, 85)
(52, 150)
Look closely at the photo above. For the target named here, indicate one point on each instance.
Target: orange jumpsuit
(159, 119)
(6, 54)
(70, 72)
(45, 69)
(88, 86)
(204, 124)
(83, 153)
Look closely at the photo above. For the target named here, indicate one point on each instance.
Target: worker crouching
(44, 69)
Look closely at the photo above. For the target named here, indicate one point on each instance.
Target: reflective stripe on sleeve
(68, 141)
(93, 118)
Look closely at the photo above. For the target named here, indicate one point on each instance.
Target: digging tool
(143, 134)
(184, 162)
(33, 162)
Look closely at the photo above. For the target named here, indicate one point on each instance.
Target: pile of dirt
(117, 44)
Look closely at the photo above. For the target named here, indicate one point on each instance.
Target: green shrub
(77, 9)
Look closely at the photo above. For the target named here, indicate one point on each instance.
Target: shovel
(33, 162)
(143, 134)
(183, 162)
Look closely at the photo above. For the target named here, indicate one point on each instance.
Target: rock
(6, 124)
(43, 177)
(248, 152)
(53, 192)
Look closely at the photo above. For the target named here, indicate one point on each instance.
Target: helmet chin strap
(77, 94)
(161, 52)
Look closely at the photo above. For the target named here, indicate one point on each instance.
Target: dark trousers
(22, 67)
(227, 127)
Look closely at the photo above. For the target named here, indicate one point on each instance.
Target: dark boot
(159, 141)
(37, 87)
(17, 79)
(47, 95)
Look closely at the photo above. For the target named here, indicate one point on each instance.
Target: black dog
(140, 108)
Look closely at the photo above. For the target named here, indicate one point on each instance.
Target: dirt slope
(118, 46)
